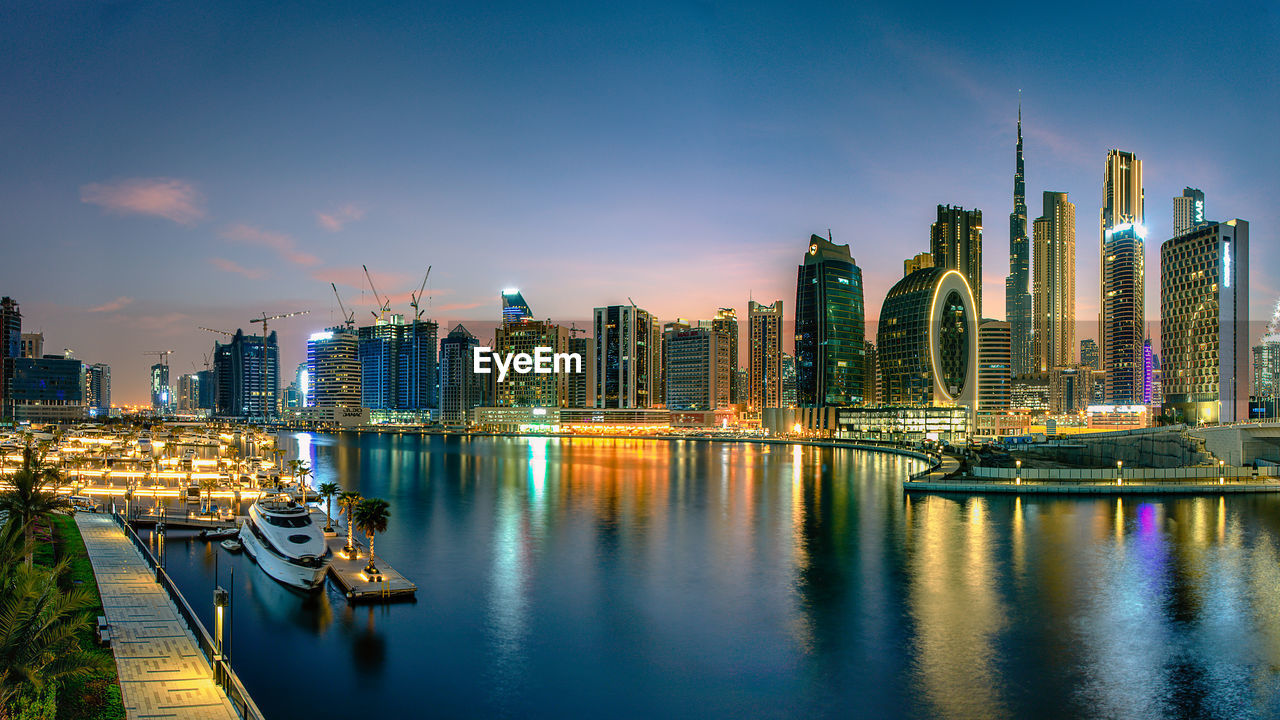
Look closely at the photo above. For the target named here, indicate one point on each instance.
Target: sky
(170, 165)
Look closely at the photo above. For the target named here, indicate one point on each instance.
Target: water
(570, 578)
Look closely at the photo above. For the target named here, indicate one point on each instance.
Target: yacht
(280, 537)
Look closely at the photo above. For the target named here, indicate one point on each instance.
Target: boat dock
(348, 573)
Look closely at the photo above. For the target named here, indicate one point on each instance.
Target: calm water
(651, 579)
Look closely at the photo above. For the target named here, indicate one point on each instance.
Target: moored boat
(281, 537)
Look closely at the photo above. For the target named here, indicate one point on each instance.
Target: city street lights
(1018, 478)
(1221, 473)
(1119, 472)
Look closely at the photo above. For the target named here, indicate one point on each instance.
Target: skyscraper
(514, 308)
(1089, 353)
(1018, 305)
(461, 389)
(32, 345)
(627, 357)
(830, 327)
(995, 366)
(928, 341)
(1054, 284)
(161, 393)
(333, 368)
(955, 241)
(10, 348)
(1121, 319)
(1204, 323)
(692, 360)
(98, 382)
(1188, 211)
(725, 324)
(912, 264)
(247, 376)
(764, 364)
(398, 364)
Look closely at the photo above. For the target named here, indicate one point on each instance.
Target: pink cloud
(231, 267)
(338, 219)
(175, 200)
(112, 306)
(285, 245)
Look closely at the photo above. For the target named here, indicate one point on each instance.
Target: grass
(98, 696)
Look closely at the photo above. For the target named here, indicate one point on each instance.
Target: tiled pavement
(163, 674)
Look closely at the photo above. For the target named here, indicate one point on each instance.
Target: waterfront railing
(220, 664)
(1143, 475)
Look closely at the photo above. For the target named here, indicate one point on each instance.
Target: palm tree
(348, 502)
(328, 491)
(207, 486)
(301, 470)
(33, 496)
(372, 515)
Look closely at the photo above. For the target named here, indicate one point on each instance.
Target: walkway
(163, 674)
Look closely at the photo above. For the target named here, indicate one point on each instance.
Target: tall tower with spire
(1017, 286)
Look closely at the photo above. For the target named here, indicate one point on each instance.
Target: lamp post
(1018, 479)
(1119, 472)
(221, 601)
(1221, 473)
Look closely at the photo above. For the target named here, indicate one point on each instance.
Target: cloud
(285, 245)
(231, 267)
(175, 200)
(112, 306)
(338, 219)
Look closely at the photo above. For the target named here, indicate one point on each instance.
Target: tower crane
(1273, 328)
(384, 306)
(266, 317)
(162, 354)
(415, 297)
(348, 318)
(220, 332)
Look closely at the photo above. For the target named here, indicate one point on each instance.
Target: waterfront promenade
(163, 673)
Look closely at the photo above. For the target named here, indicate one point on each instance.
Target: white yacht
(281, 538)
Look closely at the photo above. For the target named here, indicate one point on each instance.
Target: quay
(163, 671)
(348, 573)
(948, 477)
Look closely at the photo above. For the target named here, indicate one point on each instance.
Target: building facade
(1017, 286)
(725, 324)
(692, 362)
(98, 384)
(928, 341)
(461, 389)
(247, 376)
(1204, 328)
(333, 368)
(46, 389)
(830, 327)
(995, 366)
(32, 345)
(955, 241)
(764, 367)
(1188, 211)
(10, 348)
(1122, 277)
(1054, 284)
(627, 357)
(161, 392)
(1089, 353)
(398, 364)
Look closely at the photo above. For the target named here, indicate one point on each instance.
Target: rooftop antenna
(829, 238)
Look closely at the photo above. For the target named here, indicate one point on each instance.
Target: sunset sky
(170, 165)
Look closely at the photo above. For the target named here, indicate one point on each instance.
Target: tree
(328, 491)
(34, 495)
(348, 502)
(371, 515)
(207, 486)
(301, 471)
(39, 623)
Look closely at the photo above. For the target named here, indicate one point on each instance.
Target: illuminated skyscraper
(1188, 211)
(764, 366)
(247, 376)
(333, 369)
(514, 308)
(98, 383)
(461, 389)
(161, 393)
(1019, 307)
(398, 364)
(10, 349)
(928, 341)
(995, 366)
(830, 327)
(1204, 323)
(692, 361)
(628, 355)
(955, 241)
(1121, 320)
(726, 326)
(1089, 353)
(1054, 282)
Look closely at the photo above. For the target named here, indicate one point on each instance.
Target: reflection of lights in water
(507, 601)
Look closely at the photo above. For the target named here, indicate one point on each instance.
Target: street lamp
(1018, 478)
(1119, 472)
(1221, 473)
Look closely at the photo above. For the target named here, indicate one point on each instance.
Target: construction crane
(162, 354)
(348, 318)
(383, 306)
(266, 317)
(220, 332)
(1273, 328)
(415, 297)
(574, 329)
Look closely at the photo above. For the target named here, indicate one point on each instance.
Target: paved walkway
(163, 674)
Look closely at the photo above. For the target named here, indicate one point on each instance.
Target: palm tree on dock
(348, 502)
(207, 486)
(372, 515)
(301, 471)
(328, 491)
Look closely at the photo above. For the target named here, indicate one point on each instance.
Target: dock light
(797, 428)
(1119, 472)
(1221, 473)
(1018, 479)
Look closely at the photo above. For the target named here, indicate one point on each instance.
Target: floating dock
(349, 574)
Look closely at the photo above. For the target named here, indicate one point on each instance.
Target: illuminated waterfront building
(628, 357)
(98, 386)
(1054, 284)
(188, 395)
(1266, 368)
(955, 241)
(1148, 371)
(532, 389)
(46, 389)
(10, 348)
(398, 368)
(870, 376)
(829, 327)
(1017, 286)
(1121, 244)
(333, 369)
(161, 392)
(927, 341)
(1204, 328)
(461, 388)
(995, 366)
(692, 361)
(788, 380)
(582, 385)
(725, 324)
(1188, 211)
(247, 376)
(764, 367)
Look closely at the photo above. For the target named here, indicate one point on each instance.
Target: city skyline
(255, 187)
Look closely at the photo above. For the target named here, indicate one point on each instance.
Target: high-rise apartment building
(1188, 211)
(398, 364)
(188, 395)
(725, 324)
(955, 241)
(10, 348)
(920, 261)
(1122, 241)
(1054, 284)
(247, 376)
(764, 366)
(514, 308)
(1019, 308)
(582, 385)
(333, 368)
(161, 392)
(692, 360)
(46, 389)
(461, 389)
(871, 376)
(1204, 323)
(98, 384)
(628, 357)
(830, 327)
(1089, 353)
(995, 366)
(1266, 368)
(532, 389)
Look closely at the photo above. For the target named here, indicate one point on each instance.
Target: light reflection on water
(687, 579)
